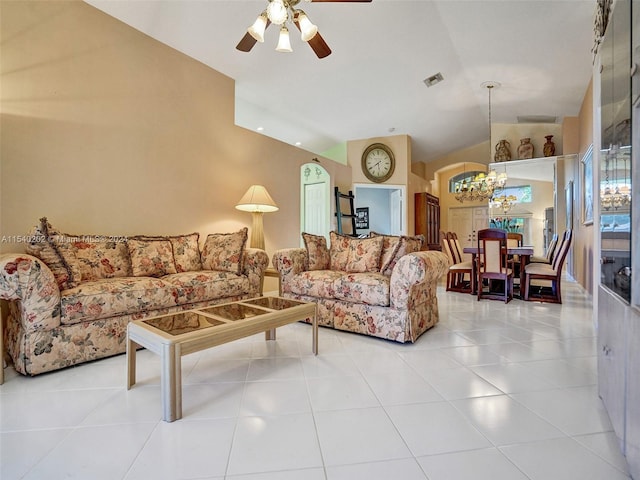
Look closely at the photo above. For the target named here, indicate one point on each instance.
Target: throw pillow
(398, 246)
(364, 255)
(101, 256)
(48, 245)
(186, 251)
(317, 251)
(224, 251)
(339, 251)
(151, 258)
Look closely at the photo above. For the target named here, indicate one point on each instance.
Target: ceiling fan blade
(319, 46)
(317, 43)
(247, 42)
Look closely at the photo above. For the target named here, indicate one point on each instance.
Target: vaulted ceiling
(372, 84)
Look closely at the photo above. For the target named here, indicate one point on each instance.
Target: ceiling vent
(433, 79)
(536, 119)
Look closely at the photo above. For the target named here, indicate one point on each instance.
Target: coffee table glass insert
(174, 335)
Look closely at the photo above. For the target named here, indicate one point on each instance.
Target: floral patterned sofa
(71, 296)
(382, 286)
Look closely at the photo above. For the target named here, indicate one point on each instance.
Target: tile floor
(495, 391)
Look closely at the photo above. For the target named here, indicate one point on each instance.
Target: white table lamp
(257, 201)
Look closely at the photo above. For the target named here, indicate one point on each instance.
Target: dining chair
(459, 274)
(548, 258)
(514, 240)
(493, 265)
(550, 273)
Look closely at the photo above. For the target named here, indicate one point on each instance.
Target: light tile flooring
(495, 391)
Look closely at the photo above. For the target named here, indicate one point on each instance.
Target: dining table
(523, 252)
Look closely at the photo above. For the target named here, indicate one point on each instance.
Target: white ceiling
(540, 51)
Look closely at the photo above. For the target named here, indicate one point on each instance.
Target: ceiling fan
(278, 12)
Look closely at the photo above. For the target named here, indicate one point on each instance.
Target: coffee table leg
(314, 346)
(131, 362)
(171, 383)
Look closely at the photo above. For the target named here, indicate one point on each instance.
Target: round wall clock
(378, 162)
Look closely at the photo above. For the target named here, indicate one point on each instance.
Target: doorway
(387, 208)
(466, 221)
(315, 200)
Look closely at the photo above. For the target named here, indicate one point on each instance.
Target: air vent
(536, 119)
(433, 79)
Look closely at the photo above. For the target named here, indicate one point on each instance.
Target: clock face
(378, 162)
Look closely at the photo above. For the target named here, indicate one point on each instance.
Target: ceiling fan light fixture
(277, 12)
(308, 30)
(259, 26)
(284, 44)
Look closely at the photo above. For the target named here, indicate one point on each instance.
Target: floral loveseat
(71, 296)
(382, 286)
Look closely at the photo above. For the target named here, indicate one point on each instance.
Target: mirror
(315, 200)
(615, 153)
(527, 203)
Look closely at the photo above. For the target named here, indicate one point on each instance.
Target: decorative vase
(525, 149)
(503, 152)
(549, 147)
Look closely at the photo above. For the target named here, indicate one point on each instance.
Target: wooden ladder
(340, 216)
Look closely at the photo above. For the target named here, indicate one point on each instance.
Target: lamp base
(257, 232)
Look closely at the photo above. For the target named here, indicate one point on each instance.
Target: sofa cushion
(339, 251)
(151, 258)
(396, 246)
(364, 255)
(193, 287)
(349, 254)
(317, 251)
(46, 243)
(369, 288)
(224, 251)
(115, 296)
(314, 283)
(101, 257)
(186, 250)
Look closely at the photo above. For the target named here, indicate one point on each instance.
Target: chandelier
(279, 12)
(615, 195)
(482, 186)
(504, 202)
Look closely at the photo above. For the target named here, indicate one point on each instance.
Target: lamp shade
(284, 44)
(257, 199)
(257, 29)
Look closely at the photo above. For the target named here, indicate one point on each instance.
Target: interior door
(395, 200)
(314, 209)
(465, 222)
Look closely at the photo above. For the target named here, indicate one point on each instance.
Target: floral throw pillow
(364, 255)
(151, 258)
(398, 247)
(339, 251)
(224, 251)
(186, 251)
(317, 251)
(53, 249)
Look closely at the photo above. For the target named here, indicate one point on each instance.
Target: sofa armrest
(289, 262)
(27, 279)
(413, 271)
(255, 262)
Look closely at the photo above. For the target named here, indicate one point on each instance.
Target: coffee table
(172, 336)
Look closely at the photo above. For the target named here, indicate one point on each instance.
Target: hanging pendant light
(284, 43)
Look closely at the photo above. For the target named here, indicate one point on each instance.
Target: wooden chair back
(514, 239)
(456, 246)
(559, 259)
(552, 248)
(446, 247)
(493, 245)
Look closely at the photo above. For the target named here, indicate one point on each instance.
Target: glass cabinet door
(616, 161)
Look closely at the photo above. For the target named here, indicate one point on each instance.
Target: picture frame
(568, 195)
(586, 178)
(362, 218)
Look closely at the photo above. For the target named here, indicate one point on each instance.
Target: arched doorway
(315, 200)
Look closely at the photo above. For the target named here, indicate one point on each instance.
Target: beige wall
(106, 131)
